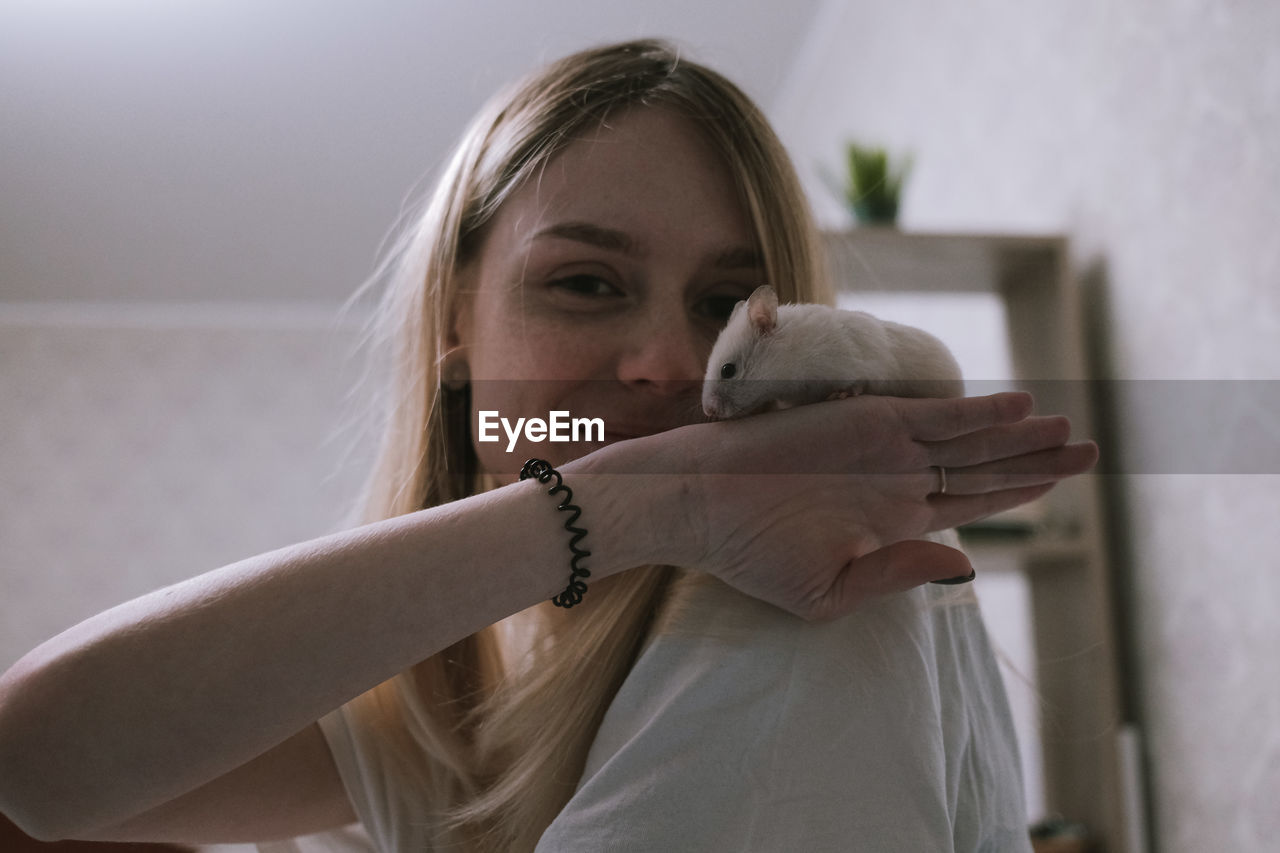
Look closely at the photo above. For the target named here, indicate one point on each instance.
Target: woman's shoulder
(755, 729)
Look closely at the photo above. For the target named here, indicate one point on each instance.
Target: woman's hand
(818, 508)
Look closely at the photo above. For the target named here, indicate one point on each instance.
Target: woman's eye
(586, 285)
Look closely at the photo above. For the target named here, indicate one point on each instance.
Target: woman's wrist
(640, 498)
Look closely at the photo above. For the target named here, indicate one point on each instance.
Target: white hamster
(772, 356)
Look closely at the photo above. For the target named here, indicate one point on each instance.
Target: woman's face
(601, 284)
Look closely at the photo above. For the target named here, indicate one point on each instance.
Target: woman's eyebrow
(742, 257)
(592, 235)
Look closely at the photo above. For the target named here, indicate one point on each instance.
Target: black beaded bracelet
(541, 470)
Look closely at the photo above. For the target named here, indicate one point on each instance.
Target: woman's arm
(152, 699)
(292, 789)
(155, 697)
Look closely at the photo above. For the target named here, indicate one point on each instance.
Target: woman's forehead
(645, 172)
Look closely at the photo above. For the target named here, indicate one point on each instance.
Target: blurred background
(189, 190)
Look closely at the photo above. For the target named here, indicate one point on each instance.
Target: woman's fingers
(934, 419)
(955, 510)
(1001, 442)
(1029, 469)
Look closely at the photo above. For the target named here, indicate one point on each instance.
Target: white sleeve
(742, 728)
(349, 839)
(389, 816)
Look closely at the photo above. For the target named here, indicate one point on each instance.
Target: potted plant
(875, 183)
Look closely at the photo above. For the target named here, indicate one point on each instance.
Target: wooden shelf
(1067, 573)
(887, 259)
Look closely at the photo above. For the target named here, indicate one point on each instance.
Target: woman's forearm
(156, 696)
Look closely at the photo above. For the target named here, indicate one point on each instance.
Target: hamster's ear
(762, 309)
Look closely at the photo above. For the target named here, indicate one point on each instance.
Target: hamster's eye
(727, 371)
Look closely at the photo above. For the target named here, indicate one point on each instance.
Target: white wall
(1150, 133)
(141, 447)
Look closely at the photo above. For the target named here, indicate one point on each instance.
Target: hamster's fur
(772, 356)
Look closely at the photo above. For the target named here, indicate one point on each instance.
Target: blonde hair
(497, 756)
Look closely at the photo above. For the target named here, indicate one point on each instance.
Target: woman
(580, 253)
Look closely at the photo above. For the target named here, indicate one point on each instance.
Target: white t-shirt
(742, 728)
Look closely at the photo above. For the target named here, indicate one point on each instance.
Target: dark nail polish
(963, 579)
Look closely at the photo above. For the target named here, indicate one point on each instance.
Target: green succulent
(875, 184)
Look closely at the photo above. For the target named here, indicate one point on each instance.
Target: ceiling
(194, 150)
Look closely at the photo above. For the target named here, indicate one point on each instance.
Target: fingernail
(962, 579)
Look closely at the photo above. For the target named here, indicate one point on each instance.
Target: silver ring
(942, 480)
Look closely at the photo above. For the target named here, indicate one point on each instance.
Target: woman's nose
(666, 360)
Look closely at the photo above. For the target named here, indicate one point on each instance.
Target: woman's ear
(455, 372)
